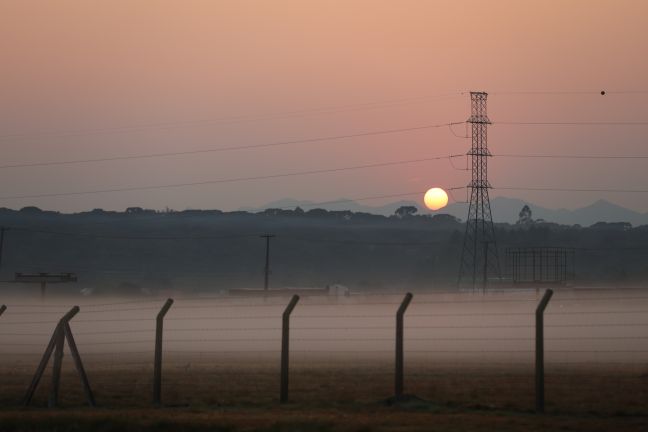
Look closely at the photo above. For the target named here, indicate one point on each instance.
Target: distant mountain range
(504, 210)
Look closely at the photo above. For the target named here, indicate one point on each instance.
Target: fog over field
(319, 216)
(582, 326)
(143, 252)
(446, 332)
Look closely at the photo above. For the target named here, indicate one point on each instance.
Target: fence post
(398, 388)
(539, 354)
(56, 342)
(56, 368)
(79, 364)
(285, 350)
(2, 309)
(157, 369)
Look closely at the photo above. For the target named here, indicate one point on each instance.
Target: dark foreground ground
(242, 396)
(297, 417)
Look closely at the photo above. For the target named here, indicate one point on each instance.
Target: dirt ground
(242, 395)
(468, 361)
(296, 418)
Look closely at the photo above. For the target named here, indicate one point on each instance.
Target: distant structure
(479, 256)
(266, 278)
(45, 278)
(541, 265)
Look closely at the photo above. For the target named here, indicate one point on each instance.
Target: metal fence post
(2, 309)
(56, 342)
(398, 388)
(285, 350)
(539, 353)
(157, 369)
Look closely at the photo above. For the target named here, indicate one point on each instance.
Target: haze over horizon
(83, 81)
(154, 156)
(504, 209)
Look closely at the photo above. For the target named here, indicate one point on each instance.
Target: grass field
(242, 394)
(468, 360)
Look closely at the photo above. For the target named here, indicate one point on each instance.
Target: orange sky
(88, 65)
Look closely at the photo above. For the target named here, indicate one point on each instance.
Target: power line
(228, 120)
(310, 140)
(568, 156)
(230, 180)
(599, 92)
(360, 242)
(118, 237)
(296, 113)
(548, 189)
(572, 123)
(230, 148)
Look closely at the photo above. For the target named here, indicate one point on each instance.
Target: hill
(504, 210)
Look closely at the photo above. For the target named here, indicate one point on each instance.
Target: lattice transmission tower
(479, 257)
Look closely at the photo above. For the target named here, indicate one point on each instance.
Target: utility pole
(479, 224)
(2, 233)
(485, 281)
(267, 259)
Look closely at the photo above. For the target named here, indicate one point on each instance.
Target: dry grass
(297, 418)
(469, 362)
(241, 395)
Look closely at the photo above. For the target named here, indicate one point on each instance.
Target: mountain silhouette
(504, 210)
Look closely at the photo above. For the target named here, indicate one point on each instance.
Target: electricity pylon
(479, 256)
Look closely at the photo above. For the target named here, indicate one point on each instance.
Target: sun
(435, 199)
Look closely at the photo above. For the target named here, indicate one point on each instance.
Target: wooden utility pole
(485, 279)
(267, 260)
(44, 278)
(2, 233)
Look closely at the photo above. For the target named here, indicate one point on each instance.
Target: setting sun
(435, 199)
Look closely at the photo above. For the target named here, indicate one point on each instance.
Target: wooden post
(157, 371)
(58, 356)
(56, 341)
(285, 350)
(56, 368)
(539, 354)
(267, 261)
(40, 369)
(398, 388)
(2, 235)
(79, 365)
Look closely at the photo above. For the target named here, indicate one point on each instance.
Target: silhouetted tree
(405, 211)
(134, 210)
(31, 209)
(525, 216)
(317, 212)
(612, 226)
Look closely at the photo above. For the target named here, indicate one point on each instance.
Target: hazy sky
(79, 78)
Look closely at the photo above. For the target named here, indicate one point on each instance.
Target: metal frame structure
(541, 265)
(44, 278)
(479, 256)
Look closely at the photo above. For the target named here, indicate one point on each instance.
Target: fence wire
(445, 334)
